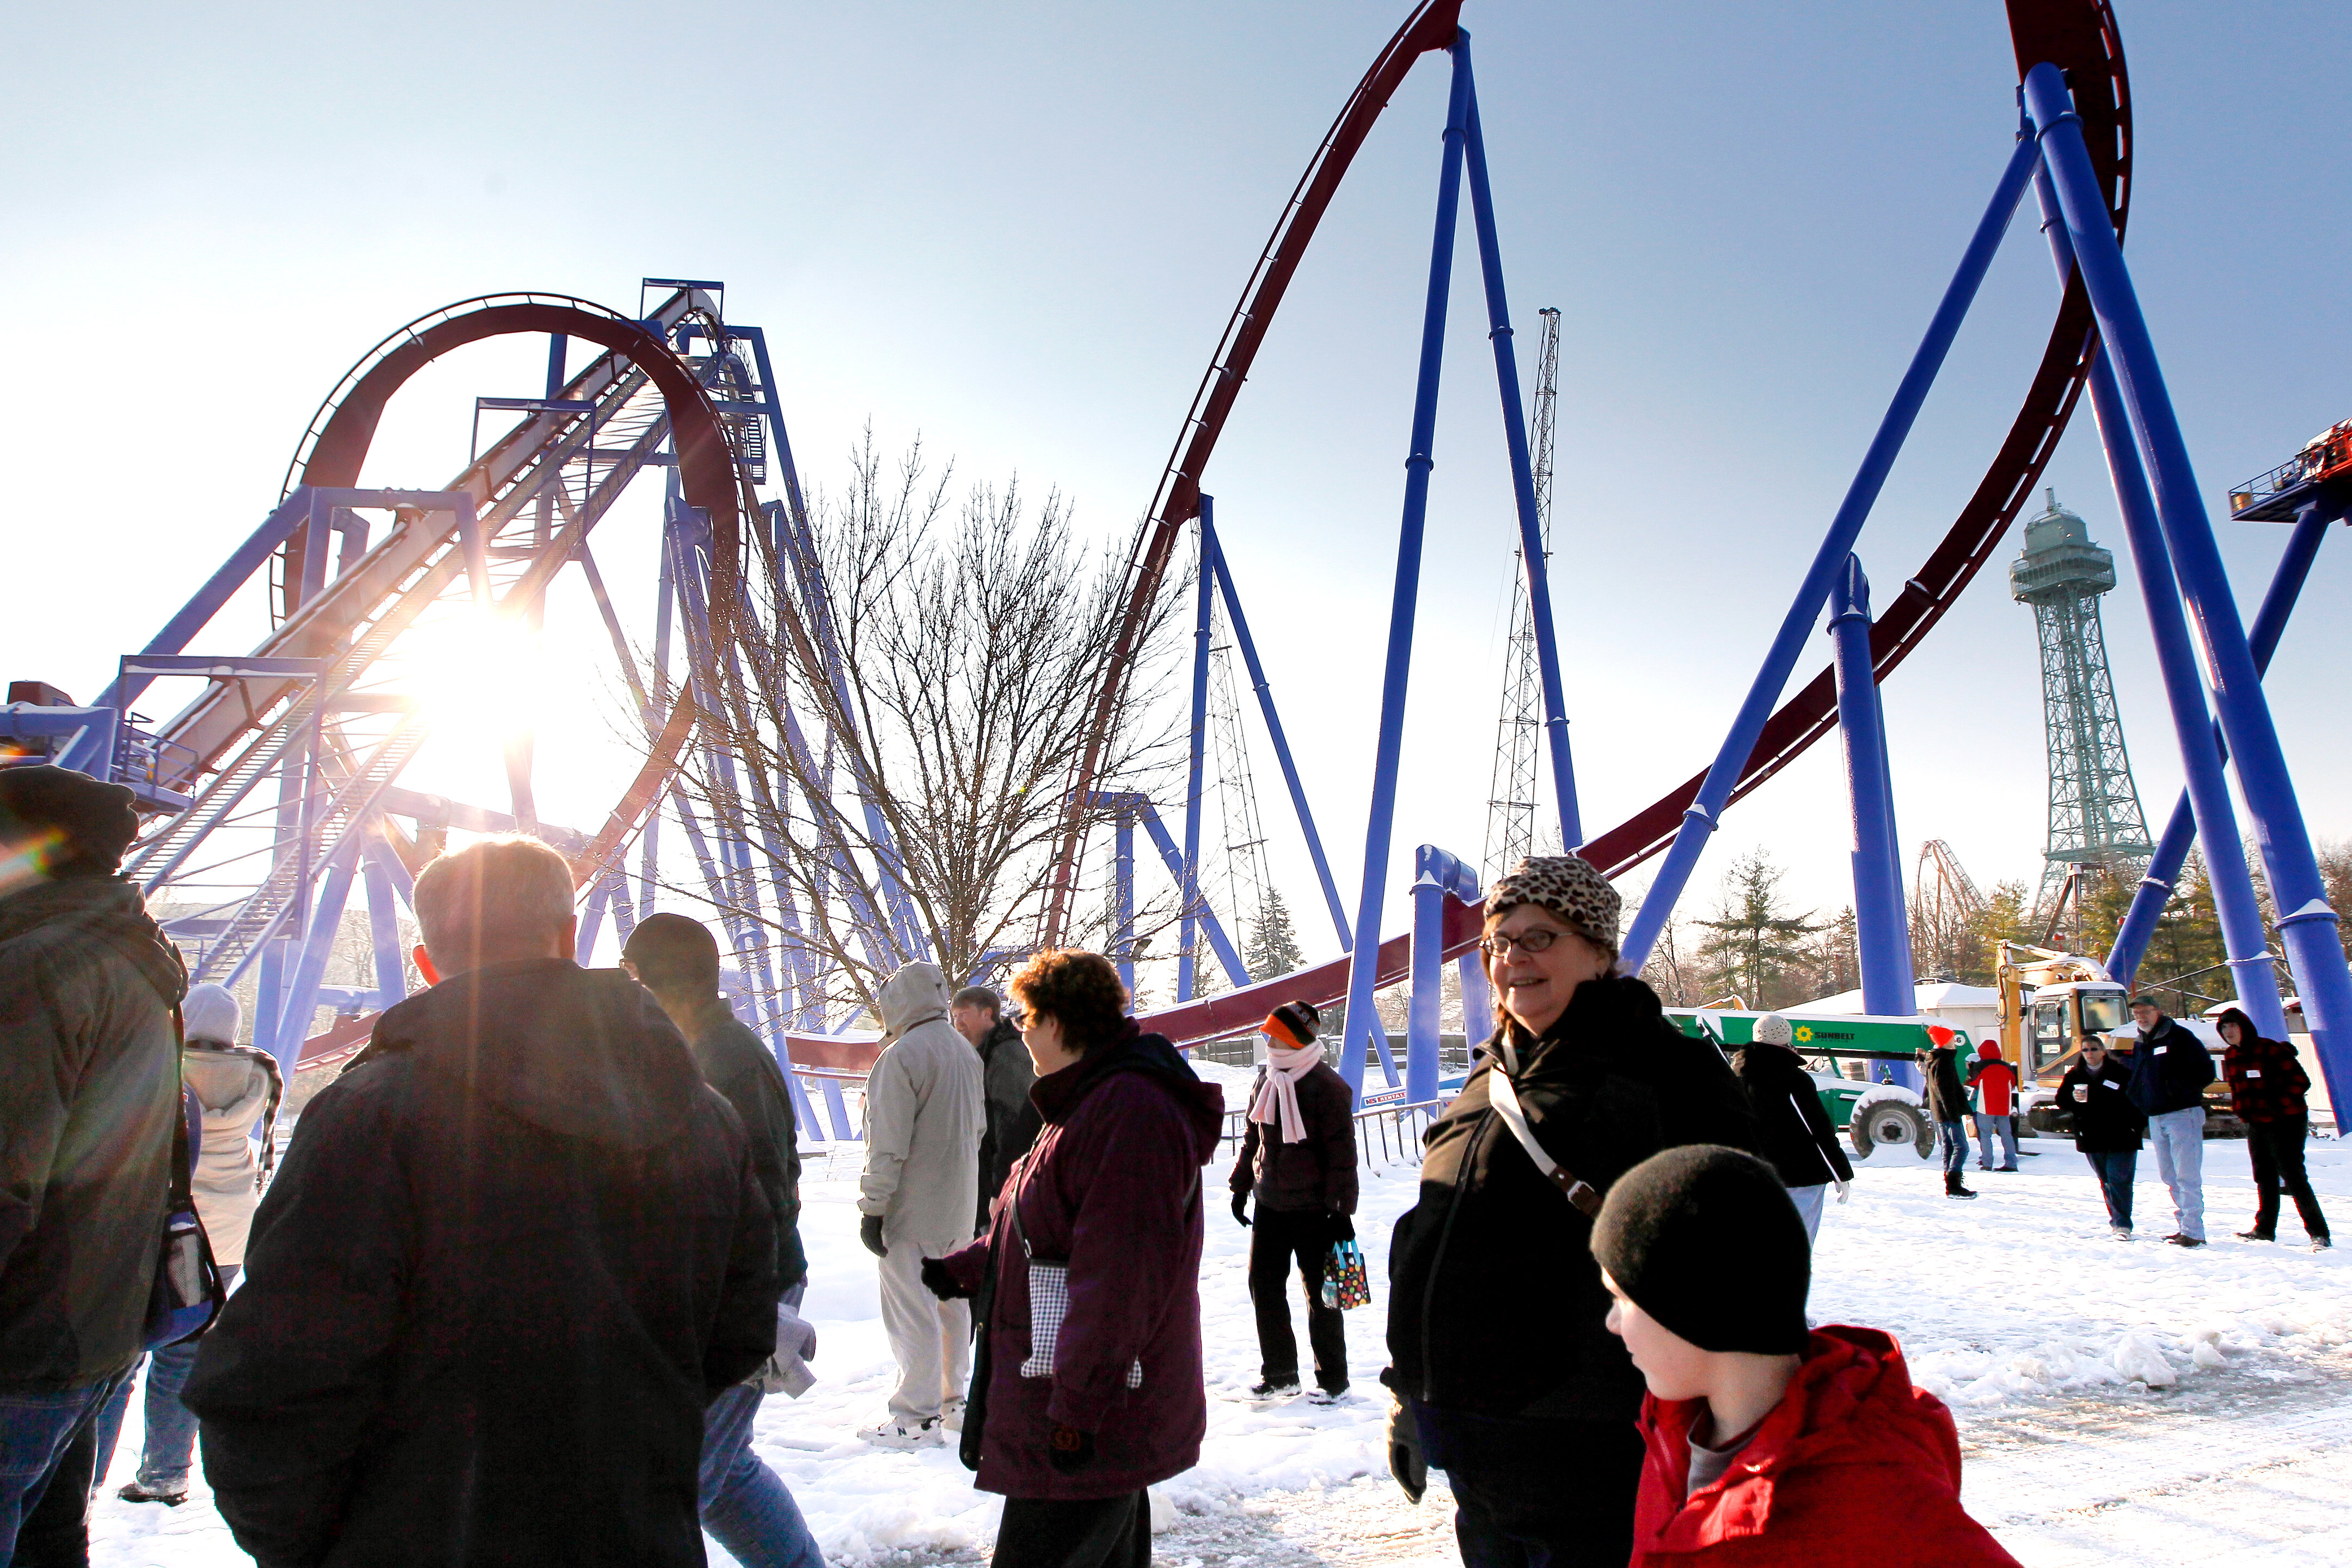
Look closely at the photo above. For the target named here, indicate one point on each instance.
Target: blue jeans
(1809, 1207)
(36, 1427)
(1954, 1137)
(2180, 1139)
(171, 1441)
(745, 1507)
(1986, 1127)
(2116, 1172)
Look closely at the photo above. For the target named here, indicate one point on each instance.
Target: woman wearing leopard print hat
(1500, 1357)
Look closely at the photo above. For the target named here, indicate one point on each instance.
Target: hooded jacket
(2170, 1070)
(2267, 1082)
(923, 1118)
(89, 1080)
(1791, 1128)
(1854, 1466)
(1007, 1075)
(514, 1251)
(1492, 1240)
(238, 1087)
(2105, 1121)
(1994, 1080)
(1113, 1187)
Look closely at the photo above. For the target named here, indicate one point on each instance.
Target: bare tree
(892, 723)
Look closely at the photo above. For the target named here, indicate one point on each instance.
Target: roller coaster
(278, 785)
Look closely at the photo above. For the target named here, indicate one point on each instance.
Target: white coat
(235, 1088)
(923, 1118)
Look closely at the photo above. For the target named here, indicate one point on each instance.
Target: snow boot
(2256, 1235)
(2320, 1244)
(2180, 1240)
(1328, 1396)
(1953, 1189)
(135, 1492)
(1275, 1388)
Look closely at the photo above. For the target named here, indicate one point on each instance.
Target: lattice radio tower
(1511, 799)
(1245, 875)
(2095, 815)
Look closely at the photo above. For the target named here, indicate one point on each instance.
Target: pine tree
(1273, 945)
(1755, 946)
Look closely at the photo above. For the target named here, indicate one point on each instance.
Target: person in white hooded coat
(924, 1118)
(238, 1087)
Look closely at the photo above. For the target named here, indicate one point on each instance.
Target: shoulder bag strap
(1504, 1096)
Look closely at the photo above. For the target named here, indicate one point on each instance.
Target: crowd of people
(532, 1263)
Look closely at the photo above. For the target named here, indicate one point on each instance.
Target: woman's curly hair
(1078, 989)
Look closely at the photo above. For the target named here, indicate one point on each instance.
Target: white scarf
(1277, 1096)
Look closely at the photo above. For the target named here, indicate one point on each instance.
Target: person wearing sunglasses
(1582, 1078)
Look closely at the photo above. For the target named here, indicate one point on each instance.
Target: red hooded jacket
(1853, 1466)
(1994, 1080)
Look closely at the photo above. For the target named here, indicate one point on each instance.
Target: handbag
(1049, 1303)
(187, 1293)
(1345, 1282)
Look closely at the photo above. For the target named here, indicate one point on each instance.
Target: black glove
(869, 1231)
(1405, 1460)
(1241, 1203)
(940, 1283)
(1069, 1450)
(1342, 1228)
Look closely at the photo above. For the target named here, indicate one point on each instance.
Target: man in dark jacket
(1947, 1102)
(2170, 1070)
(2094, 1095)
(89, 1080)
(1793, 1131)
(513, 1253)
(1299, 1155)
(1006, 1074)
(2267, 1085)
(746, 1506)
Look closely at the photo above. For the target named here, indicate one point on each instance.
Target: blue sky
(1018, 229)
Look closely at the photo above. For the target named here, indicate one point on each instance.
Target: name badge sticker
(2161, 1049)
(2253, 1072)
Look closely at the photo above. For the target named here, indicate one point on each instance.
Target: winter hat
(212, 1014)
(1294, 1022)
(2147, 999)
(1990, 1051)
(1771, 1029)
(1567, 885)
(1705, 1239)
(95, 821)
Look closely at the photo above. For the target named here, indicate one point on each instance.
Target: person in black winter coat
(89, 1087)
(1947, 1102)
(1299, 1155)
(514, 1250)
(1006, 1076)
(2107, 1125)
(2170, 1070)
(1535, 1428)
(1795, 1131)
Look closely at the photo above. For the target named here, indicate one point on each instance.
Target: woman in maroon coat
(1111, 1193)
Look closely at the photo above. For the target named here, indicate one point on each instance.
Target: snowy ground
(2119, 1402)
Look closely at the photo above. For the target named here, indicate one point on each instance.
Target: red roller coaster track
(2078, 36)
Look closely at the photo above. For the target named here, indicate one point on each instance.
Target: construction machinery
(2049, 1002)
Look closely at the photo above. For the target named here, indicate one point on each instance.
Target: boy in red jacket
(1767, 1444)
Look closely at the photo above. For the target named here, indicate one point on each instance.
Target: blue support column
(2155, 889)
(1883, 931)
(384, 924)
(1188, 880)
(1700, 819)
(1523, 478)
(1363, 1026)
(1437, 876)
(1274, 729)
(1123, 895)
(301, 992)
(2167, 492)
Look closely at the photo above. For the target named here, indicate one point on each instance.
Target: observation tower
(2095, 815)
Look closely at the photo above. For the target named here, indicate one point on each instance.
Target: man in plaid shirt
(2267, 1085)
